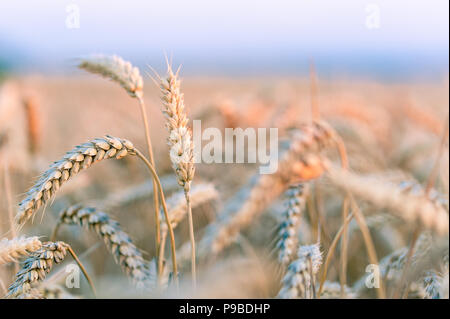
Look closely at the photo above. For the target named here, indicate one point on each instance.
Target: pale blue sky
(232, 35)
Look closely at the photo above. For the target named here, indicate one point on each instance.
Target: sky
(379, 38)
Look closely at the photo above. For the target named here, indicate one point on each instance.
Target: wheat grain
(117, 70)
(299, 280)
(12, 250)
(81, 157)
(287, 233)
(181, 147)
(36, 267)
(301, 162)
(180, 139)
(119, 243)
(129, 77)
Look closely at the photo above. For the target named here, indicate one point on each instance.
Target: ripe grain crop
(361, 184)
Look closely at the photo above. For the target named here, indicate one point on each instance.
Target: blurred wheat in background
(359, 204)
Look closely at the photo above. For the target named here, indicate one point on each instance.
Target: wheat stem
(344, 247)
(152, 161)
(86, 275)
(166, 214)
(191, 237)
(435, 169)
(331, 251)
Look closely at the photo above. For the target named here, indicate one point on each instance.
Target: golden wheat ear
(287, 230)
(125, 253)
(12, 250)
(299, 281)
(79, 158)
(117, 70)
(36, 267)
(181, 146)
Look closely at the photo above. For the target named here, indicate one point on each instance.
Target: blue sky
(231, 36)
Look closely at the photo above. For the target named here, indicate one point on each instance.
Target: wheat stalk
(79, 158)
(299, 281)
(180, 139)
(433, 283)
(287, 233)
(181, 146)
(201, 193)
(47, 292)
(12, 250)
(129, 77)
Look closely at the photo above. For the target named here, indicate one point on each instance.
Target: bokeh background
(389, 39)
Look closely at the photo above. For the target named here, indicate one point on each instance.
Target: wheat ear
(181, 146)
(81, 157)
(38, 265)
(129, 77)
(414, 208)
(301, 162)
(299, 281)
(12, 250)
(118, 242)
(434, 284)
(392, 265)
(287, 233)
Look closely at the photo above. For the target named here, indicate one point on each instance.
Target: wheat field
(358, 207)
